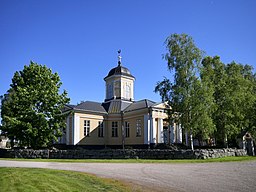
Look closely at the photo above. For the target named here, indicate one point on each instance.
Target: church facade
(119, 120)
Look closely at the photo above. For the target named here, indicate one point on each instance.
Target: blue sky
(79, 39)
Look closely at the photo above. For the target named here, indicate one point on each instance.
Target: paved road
(231, 176)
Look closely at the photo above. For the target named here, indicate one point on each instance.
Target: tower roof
(119, 70)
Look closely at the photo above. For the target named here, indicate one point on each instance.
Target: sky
(79, 39)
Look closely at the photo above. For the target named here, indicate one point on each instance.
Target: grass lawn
(30, 179)
(223, 159)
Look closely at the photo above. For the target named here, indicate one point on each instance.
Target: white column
(160, 130)
(180, 134)
(152, 130)
(76, 130)
(175, 133)
(146, 130)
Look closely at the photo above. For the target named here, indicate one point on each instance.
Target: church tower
(119, 83)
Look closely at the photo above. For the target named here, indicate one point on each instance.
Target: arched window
(127, 92)
(110, 91)
(118, 89)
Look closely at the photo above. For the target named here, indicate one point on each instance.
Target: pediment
(164, 105)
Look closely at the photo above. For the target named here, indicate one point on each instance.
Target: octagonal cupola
(119, 83)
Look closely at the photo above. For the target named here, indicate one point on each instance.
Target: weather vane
(119, 57)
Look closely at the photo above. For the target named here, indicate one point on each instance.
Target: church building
(120, 120)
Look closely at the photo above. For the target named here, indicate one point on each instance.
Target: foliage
(250, 100)
(31, 179)
(187, 94)
(32, 107)
(234, 96)
(212, 97)
(214, 70)
(202, 107)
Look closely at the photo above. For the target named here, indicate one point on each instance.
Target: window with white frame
(127, 129)
(100, 129)
(87, 128)
(114, 129)
(138, 128)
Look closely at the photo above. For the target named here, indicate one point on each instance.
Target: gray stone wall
(124, 154)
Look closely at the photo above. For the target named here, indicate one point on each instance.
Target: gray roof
(119, 70)
(70, 106)
(114, 106)
(89, 106)
(142, 104)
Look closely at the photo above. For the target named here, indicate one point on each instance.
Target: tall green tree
(32, 107)
(185, 92)
(252, 109)
(234, 97)
(214, 70)
(250, 104)
(202, 108)
(211, 97)
(242, 97)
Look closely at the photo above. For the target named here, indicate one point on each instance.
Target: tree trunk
(191, 140)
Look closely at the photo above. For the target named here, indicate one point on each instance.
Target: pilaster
(146, 129)
(76, 129)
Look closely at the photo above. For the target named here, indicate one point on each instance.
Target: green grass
(224, 159)
(39, 180)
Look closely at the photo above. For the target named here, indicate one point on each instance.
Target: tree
(250, 104)
(234, 97)
(210, 96)
(32, 108)
(184, 94)
(214, 70)
(202, 108)
(242, 97)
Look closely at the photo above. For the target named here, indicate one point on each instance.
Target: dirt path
(231, 176)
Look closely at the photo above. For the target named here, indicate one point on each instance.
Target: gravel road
(229, 176)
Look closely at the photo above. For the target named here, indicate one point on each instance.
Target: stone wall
(123, 154)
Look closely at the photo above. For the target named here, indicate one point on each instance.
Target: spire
(119, 57)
